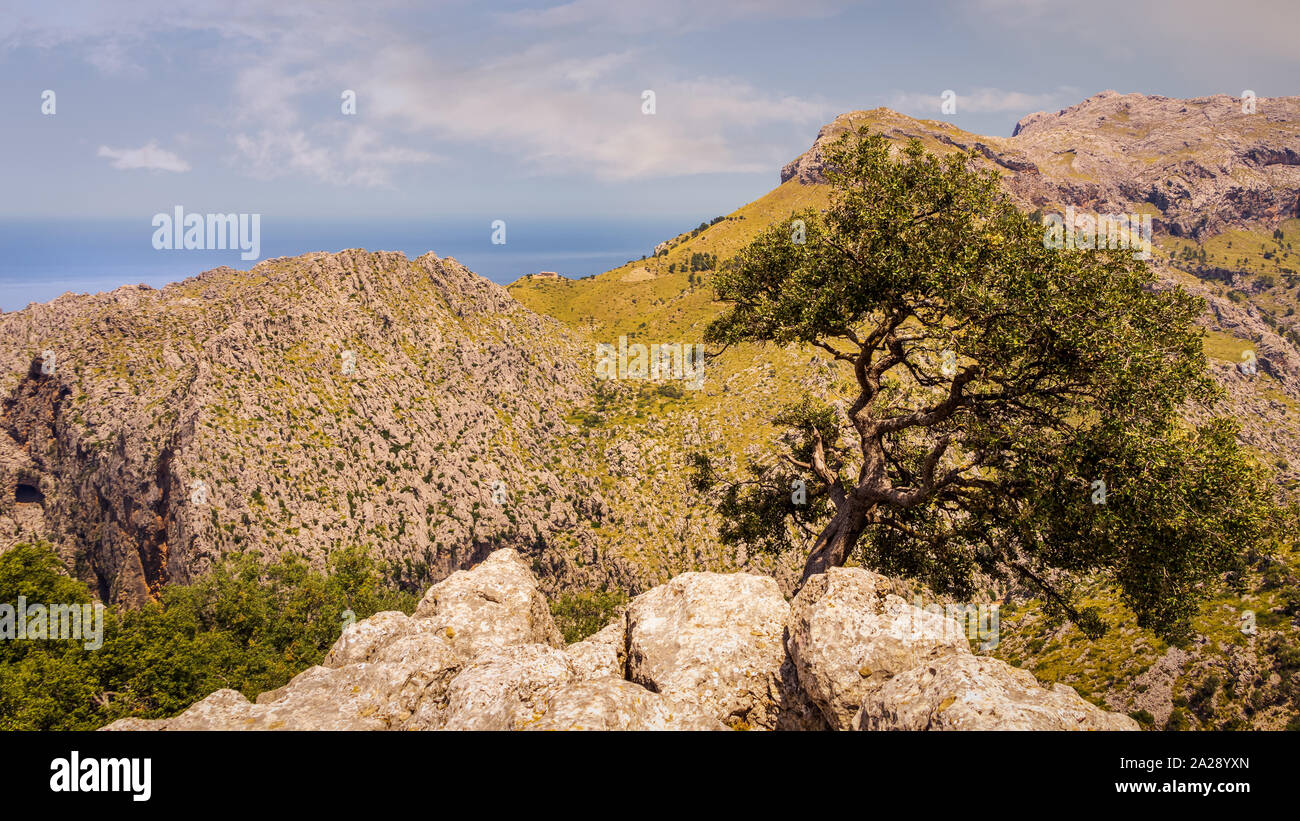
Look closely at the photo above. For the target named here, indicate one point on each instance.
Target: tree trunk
(836, 540)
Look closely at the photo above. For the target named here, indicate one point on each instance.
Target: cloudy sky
(536, 108)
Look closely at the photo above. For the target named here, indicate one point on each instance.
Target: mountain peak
(1199, 165)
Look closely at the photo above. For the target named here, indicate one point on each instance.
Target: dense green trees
(245, 625)
(1015, 410)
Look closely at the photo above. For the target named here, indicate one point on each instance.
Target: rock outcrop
(716, 640)
(1201, 165)
(480, 653)
(849, 635)
(965, 692)
(705, 651)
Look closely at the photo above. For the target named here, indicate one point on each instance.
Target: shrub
(581, 614)
(246, 625)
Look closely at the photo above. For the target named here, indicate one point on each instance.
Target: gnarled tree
(1014, 410)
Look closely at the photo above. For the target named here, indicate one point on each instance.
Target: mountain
(310, 403)
(1200, 166)
(1222, 187)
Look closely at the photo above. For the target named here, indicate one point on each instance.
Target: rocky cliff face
(706, 651)
(1198, 165)
(310, 403)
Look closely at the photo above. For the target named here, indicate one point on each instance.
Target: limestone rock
(965, 692)
(849, 635)
(506, 688)
(615, 704)
(497, 604)
(704, 651)
(712, 639)
(218, 711)
(603, 653)
(361, 640)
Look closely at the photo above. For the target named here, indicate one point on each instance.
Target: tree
(1014, 410)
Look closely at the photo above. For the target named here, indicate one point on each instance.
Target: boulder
(494, 604)
(223, 710)
(603, 653)
(361, 640)
(714, 640)
(506, 688)
(965, 692)
(849, 635)
(616, 704)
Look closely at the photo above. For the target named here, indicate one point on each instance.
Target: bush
(246, 625)
(1143, 717)
(1178, 721)
(578, 615)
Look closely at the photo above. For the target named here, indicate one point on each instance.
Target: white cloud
(562, 113)
(149, 157)
(551, 102)
(357, 159)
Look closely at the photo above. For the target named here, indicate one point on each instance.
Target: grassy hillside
(644, 297)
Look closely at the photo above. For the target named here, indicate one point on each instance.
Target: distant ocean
(40, 260)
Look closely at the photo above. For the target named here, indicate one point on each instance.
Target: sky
(522, 110)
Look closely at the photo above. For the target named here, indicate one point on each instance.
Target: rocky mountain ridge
(307, 404)
(1199, 166)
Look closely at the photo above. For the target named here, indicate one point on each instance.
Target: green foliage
(703, 261)
(779, 493)
(1178, 721)
(245, 625)
(999, 382)
(578, 615)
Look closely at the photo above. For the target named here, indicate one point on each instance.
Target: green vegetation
(246, 626)
(647, 294)
(580, 614)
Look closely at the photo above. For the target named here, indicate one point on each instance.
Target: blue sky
(527, 109)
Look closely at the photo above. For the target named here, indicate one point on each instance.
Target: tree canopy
(1015, 412)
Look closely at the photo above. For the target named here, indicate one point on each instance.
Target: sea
(43, 259)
